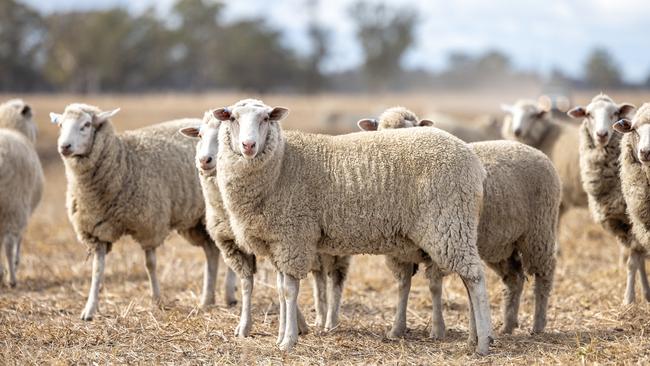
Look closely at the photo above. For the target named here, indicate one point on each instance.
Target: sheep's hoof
(395, 333)
(303, 328)
(437, 333)
(483, 348)
(243, 330)
(320, 322)
(231, 302)
(86, 315)
(12, 284)
(288, 343)
(206, 303)
(628, 300)
(280, 339)
(507, 329)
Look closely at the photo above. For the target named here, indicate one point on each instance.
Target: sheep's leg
(291, 288)
(210, 273)
(512, 275)
(282, 303)
(435, 287)
(303, 327)
(320, 299)
(98, 274)
(336, 278)
(17, 252)
(244, 327)
(150, 262)
(2, 268)
(643, 277)
(472, 337)
(481, 309)
(632, 267)
(11, 241)
(230, 287)
(543, 285)
(403, 288)
(623, 256)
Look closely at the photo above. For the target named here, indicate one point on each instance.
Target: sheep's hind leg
(244, 327)
(230, 287)
(291, 288)
(435, 287)
(543, 286)
(10, 243)
(336, 277)
(320, 296)
(403, 272)
(209, 273)
(643, 277)
(97, 277)
(282, 304)
(512, 276)
(150, 262)
(632, 267)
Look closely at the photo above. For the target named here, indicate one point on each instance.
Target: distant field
(39, 319)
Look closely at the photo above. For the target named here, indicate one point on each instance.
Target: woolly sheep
(327, 294)
(21, 179)
(291, 195)
(529, 123)
(599, 168)
(120, 185)
(517, 228)
(635, 184)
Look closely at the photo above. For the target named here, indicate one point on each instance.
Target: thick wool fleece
(21, 182)
(560, 143)
(635, 182)
(140, 183)
(17, 115)
(355, 194)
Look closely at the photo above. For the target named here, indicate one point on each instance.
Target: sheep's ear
(190, 131)
(425, 123)
(577, 112)
(102, 117)
(26, 111)
(55, 118)
(278, 113)
(506, 108)
(222, 114)
(368, 124)
(540, 114)
(623, 126)
(625, 109)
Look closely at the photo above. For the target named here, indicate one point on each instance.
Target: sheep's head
(208, 146)
(249, 121)
(392, 118)
(17, 115)
(600, 115)
(78, 124)
(640, 129)
(526, 120)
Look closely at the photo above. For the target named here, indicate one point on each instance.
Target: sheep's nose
(644, 154)
(206, 162)
(518, 132)
(602, 134)
(248, 147)
(65, 150)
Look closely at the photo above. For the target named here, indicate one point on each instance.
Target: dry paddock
(39, 318)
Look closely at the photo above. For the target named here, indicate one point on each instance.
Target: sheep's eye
(266, 119)
(232, 119)
(85, 125)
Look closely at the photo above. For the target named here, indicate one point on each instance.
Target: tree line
(193, 49)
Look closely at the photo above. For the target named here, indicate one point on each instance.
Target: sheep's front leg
(403, 275)
(320, 299)
(150, 261)
(632, 267)
(283, 308)
(291, 288)
(643, 277)
(98, 274)
(480, 308)
(244, 327)
(10, 243)
(230, 287)
(210, 273)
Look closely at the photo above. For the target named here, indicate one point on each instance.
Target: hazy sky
(536, 34)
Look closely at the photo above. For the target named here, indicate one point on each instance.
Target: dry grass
(39, 319)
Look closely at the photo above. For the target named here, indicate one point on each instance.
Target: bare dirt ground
(39, 319)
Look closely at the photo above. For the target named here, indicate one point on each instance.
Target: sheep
(516, 232)
(635, 185)
(327, 294)
(599, 168)
(21, 179)
(291, 195)
(529, 123)
(120, 185)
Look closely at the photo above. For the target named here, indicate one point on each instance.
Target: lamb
(517, 227)
(21, 179)
(291, 195)
(599, 168)
(635, 185)
(120, 185)
(529, 123)
(327, 294)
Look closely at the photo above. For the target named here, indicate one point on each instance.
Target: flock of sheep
(305, 202)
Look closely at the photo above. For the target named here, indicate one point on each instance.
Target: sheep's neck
(601, 160)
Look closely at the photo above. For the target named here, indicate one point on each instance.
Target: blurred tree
(601, 71)
(313, 78)
(385, 35)
(21, 34)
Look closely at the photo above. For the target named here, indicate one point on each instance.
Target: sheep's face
(208, 145)
(600, 116)
(641, 138)
(18, 116)
(523, 119)
(249, 123)
(78, 128)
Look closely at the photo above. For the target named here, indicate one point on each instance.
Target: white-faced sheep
(21, 179)
(635, 184)
(239, 257)
(529, 123)
(291, 195)
(517, 228)
(122, 185)
(599, 167)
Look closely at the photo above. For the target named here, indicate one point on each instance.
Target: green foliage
(601, 71)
